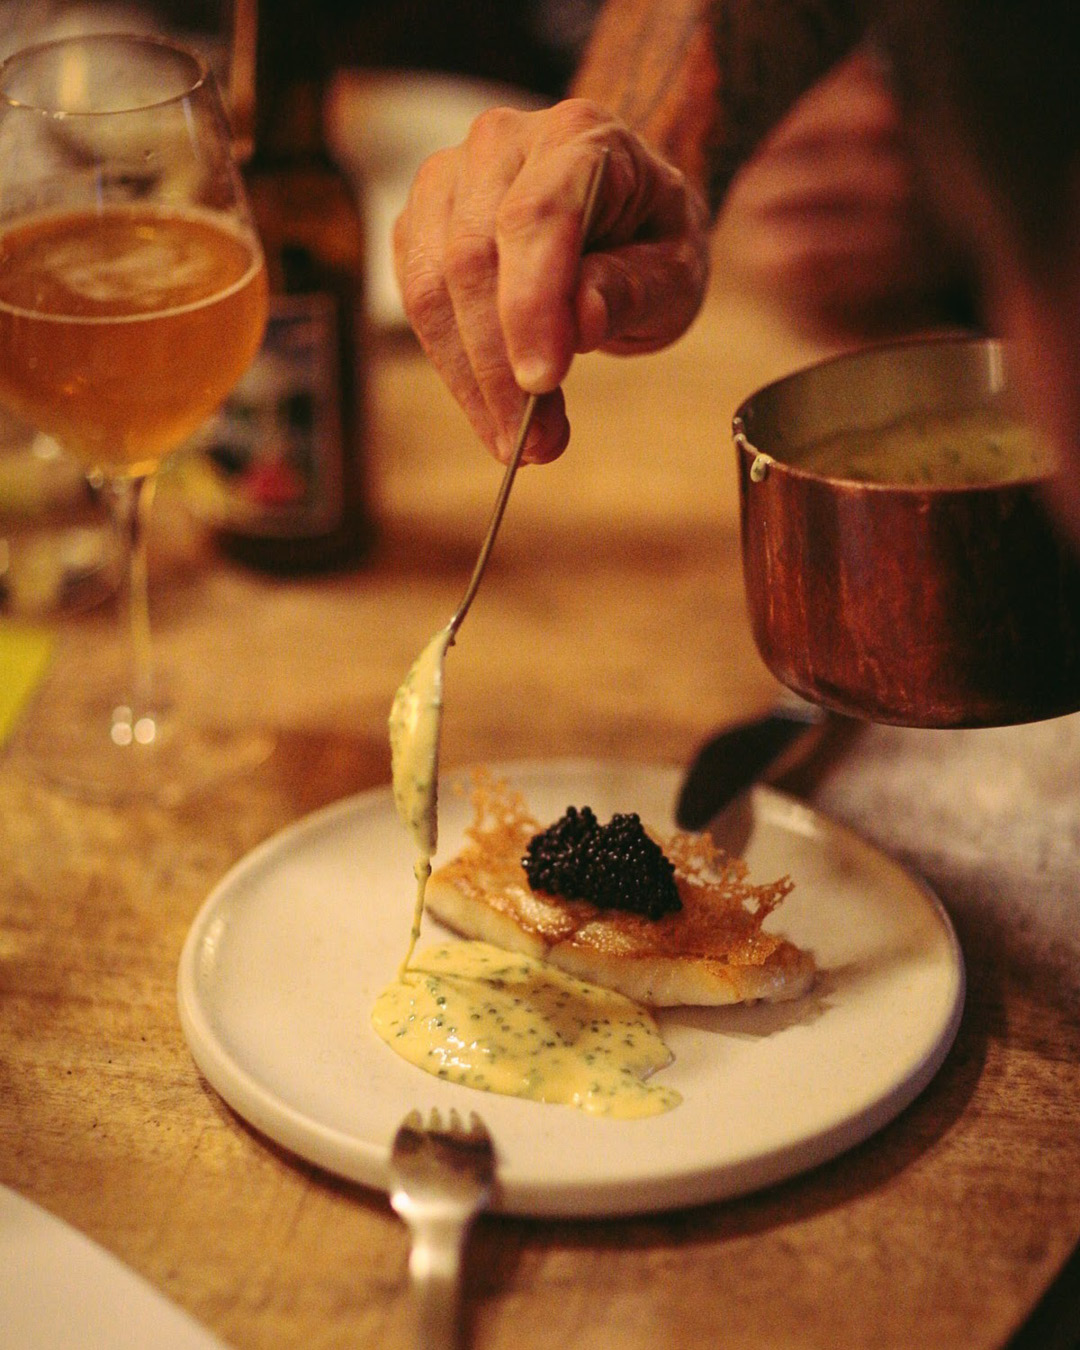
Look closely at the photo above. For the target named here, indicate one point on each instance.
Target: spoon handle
(592, 196)
(496, 516)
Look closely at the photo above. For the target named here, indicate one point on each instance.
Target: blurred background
(531, 43)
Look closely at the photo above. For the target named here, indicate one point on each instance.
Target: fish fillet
(712, 951)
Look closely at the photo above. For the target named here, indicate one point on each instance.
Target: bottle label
(272, 461)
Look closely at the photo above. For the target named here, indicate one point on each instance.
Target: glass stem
(131, 499)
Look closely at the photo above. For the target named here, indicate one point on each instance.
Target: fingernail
(534, 375)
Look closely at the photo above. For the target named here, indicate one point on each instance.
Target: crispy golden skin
(713, 951)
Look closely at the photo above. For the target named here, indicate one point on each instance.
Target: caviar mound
(553, 858)
(614, 866)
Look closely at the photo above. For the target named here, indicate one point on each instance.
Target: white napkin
(990, 818)
(60, 1291)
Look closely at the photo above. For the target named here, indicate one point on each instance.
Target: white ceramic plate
(280, 970)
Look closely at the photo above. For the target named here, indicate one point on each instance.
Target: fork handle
(434, 1274)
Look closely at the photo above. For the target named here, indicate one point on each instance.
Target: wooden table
(611, 623)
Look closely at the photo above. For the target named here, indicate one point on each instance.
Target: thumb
(638, 298)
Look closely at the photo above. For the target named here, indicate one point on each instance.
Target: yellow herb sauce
(969, 449)
(503, 1022)
(415, 723)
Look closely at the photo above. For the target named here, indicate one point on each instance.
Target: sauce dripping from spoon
(415, 723)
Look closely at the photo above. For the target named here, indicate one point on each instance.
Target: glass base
(110, 755)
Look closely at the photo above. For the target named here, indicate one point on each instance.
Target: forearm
(705, 80)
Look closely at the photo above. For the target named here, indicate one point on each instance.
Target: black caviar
(616, 866)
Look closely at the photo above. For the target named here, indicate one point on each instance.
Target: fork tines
(455, 1142)
(474, 1131)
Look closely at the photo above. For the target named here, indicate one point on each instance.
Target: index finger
(542, 227)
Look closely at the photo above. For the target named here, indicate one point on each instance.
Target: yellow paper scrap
(24, 658)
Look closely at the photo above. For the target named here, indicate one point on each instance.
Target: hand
(493, 279)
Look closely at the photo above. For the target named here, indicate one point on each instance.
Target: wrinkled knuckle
(471, 256)
(521, 213)
(492, 128)
(491, 372)
(422, 296)
(413, 224)
(577, 117)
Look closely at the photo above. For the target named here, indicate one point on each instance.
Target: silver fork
(442, 1177)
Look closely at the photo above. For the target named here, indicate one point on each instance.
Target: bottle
(286, 455)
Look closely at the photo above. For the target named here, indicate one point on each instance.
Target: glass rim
(200, 73)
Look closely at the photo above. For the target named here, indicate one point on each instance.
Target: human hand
(500, 287)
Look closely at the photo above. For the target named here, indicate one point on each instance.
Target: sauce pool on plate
(503, 1022)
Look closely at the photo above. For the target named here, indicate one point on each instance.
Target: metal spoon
(416, 713)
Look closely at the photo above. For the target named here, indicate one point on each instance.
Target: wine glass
(133, 296)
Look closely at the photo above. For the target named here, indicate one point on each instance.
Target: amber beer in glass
(121, 332)
(133, 296)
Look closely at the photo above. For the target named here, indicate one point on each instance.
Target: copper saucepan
(931, 606)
